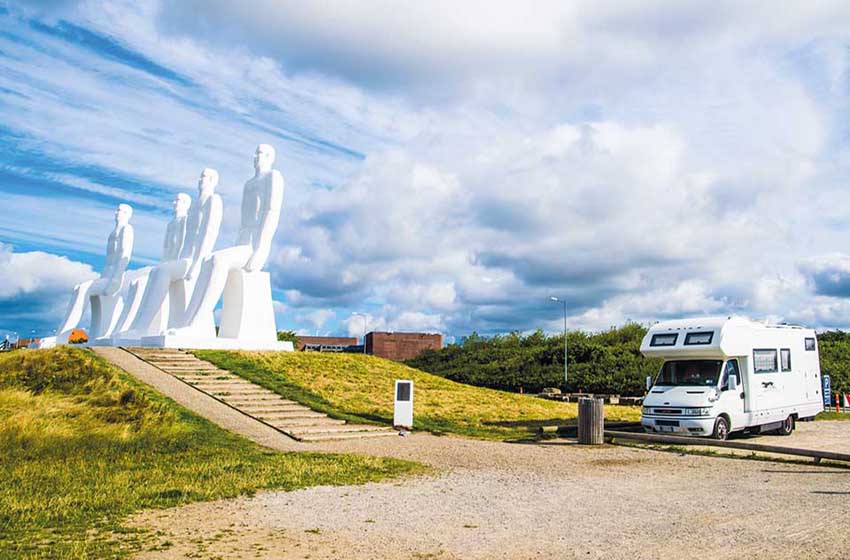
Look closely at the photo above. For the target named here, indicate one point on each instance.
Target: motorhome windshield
(689, 372)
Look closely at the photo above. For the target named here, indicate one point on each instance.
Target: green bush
(834, 348)
(606, 362)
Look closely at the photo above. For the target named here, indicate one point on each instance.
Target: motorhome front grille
(667, 410)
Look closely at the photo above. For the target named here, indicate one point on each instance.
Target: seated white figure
(247, 313)
(119, 248)
(138, 281)
(173, 278)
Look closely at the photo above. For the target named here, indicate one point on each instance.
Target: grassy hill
(360, 388)
(82, 445)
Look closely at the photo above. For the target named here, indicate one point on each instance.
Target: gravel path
(558, 500)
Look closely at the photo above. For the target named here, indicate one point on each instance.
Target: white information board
(403, 410)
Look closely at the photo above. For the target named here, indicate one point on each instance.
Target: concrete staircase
(289, 417)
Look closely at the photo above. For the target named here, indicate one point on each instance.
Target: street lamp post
(557, 300)
(364, 329)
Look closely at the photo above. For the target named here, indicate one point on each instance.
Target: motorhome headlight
(705, 411)
(645, 410)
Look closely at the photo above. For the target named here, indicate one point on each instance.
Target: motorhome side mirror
(648, 382)
(733, 382)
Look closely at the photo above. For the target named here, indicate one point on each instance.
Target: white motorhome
(728, 374)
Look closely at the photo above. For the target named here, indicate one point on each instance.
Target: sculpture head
(181, 204)
(264, 158)
(123, 215)
(208, 181)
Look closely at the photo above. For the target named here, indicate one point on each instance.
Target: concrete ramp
(258, 403)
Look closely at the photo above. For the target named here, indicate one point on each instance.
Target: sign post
(827, 391)
(403, 409)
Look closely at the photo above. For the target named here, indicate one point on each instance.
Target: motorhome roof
(715, 323)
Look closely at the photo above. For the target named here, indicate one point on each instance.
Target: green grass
(83, 446)
(359, 388)
(827, 415)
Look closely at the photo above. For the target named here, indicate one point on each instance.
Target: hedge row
(606, 362)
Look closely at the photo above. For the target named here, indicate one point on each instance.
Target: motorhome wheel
(787, 427)
(721, 428)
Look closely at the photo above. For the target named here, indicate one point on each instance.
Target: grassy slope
(358, 387)
(84, 445)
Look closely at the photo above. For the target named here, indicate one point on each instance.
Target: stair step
(308, 438)
(223, 376)
(171, 359)
(176, 369)
(305, 423)
(338, 429)
(221, 384)
(264, 399)
(270, 408)
(236, 392)
(287, 414)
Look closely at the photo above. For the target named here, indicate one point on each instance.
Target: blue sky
(448, 167)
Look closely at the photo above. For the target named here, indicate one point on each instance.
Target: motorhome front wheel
(721, 428)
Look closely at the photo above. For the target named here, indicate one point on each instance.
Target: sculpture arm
(268, 225)
(244, 237)
(167, 243)
(126, 251)
(208, 234)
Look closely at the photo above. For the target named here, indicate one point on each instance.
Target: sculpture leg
(74, 313)
(153, 301)
(211, 282)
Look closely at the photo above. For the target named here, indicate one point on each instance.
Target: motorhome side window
(810, 344)
(785, 358)
(695, 338)
(764, 361)
(664, 339)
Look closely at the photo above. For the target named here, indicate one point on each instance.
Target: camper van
(730, 374)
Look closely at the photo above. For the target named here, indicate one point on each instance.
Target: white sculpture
(173, 279)
(137, 297)
(119, 248)
(236, 273)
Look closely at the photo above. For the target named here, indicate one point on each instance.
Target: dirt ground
(552, 500)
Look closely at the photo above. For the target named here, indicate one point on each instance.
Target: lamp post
(557, 300)
(364, 329)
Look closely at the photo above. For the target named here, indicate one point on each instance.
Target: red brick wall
(401, 346)
(330, 340)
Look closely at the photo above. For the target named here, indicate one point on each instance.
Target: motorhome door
(732, 402)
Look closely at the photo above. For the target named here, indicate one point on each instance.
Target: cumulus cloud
(35, 287)
(829, 274)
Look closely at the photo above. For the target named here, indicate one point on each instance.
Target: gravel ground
(555, 500)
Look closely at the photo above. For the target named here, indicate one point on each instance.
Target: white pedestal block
(247, 308)
(105, 312)
(247, 319)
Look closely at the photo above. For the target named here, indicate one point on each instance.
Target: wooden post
(591, 421)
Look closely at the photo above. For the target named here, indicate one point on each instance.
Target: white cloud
(317, 318)
(35, 272)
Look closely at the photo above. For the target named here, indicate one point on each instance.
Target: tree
(288, 336)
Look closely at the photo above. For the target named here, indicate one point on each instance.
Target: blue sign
(827, 390)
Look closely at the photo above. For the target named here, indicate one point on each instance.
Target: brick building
(401, 346)
(317, 341)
